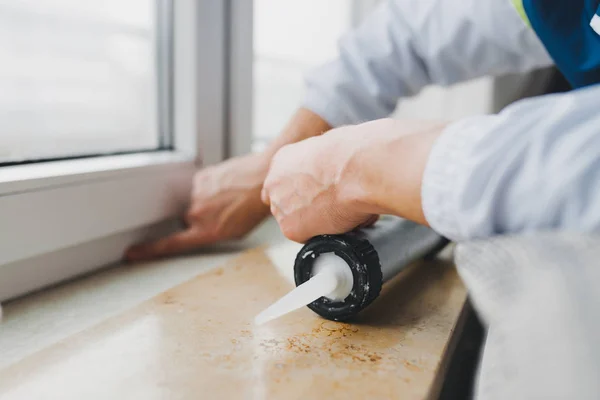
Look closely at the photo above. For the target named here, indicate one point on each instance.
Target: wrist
(358, 187)
(385, 176)
(303, 125)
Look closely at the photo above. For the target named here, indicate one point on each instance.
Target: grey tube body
(399, 242)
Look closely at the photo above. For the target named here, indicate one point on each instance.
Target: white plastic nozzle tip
(332, 278)
(309, 291)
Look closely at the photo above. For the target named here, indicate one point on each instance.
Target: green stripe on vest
(518, 4)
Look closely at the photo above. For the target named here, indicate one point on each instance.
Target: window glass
(77, 78)
(290, 38)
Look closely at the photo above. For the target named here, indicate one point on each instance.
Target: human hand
(225, 204)
(307, 184)
(342, 180)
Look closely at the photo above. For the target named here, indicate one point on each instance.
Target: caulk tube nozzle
(331, 277)
(317, 286)
(364, 268)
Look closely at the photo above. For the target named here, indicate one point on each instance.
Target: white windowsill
(28, 177)
(53, 213)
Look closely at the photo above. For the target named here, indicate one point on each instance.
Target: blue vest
(570, 31)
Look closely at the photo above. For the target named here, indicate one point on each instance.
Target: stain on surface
(411, 367)
(169, 299)
(213, 348)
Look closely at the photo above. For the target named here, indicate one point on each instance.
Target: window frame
(63, 218)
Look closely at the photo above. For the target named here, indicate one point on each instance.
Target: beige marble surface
(44, 318)
(196, 341)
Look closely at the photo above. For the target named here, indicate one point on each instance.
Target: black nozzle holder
(375, 255)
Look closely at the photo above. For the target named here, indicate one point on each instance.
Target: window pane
(77, 78)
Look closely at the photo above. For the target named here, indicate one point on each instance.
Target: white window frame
(65, 218)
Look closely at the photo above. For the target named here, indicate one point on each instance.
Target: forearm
(303, 125)
(385, 176)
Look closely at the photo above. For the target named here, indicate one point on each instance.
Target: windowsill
(198, 337)
(21, 178)
(42, 319)
(52, 206)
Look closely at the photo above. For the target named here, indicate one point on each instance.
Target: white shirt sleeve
(535, 166)
(405, 45)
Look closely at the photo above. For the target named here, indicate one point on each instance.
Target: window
(290, 38)
(106, 109)
(80, 78)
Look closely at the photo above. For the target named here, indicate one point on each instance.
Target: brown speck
(298, 345)
(358, 358)
(335, 329)
(411, 367)
(219, 272)
(331, 326)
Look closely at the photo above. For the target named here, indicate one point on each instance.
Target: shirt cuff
(445, 175)
(327, 108)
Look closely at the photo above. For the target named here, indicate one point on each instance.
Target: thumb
(173, 244)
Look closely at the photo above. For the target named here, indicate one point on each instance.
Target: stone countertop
(197, 340)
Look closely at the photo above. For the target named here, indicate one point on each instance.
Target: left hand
(308, 184)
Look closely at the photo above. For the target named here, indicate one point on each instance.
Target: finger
(176, 243)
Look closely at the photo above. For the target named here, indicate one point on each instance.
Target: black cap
(362, 260)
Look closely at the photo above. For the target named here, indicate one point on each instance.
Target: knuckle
(290, 232)
(198, 208)
(200, 177)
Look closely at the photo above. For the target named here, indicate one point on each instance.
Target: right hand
(225, 204)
